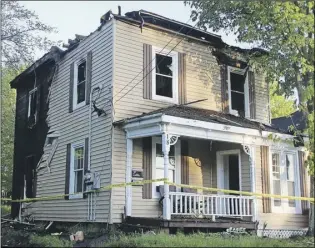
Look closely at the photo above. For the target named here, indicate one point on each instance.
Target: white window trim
(174, 55)
(158, 140)
(75, 83)
(220, 168)
(71, 180)
(284, 208)
(246, 90)
(29, 103)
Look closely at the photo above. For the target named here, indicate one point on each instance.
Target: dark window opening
(81, 82)
(238, 101)
(237, 82)
(33, 103)
(30, 176)
(164, 76)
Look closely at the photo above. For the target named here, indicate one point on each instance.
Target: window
(79, 96)
(158, 163)
(289, 163)
(164, 73)
(276, 177)
(284, 181)
(76, 171)
(238, 92)
(32, 105)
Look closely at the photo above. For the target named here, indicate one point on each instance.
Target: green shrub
(5, 209)
(199, 240)
(49, 241)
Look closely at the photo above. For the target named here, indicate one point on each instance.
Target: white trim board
(152, 125)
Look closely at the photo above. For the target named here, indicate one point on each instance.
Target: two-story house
(147, 97)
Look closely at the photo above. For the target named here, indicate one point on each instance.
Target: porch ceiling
(186, 121)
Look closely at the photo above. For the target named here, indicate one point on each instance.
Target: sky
(83, 17)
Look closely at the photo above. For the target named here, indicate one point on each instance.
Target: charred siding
(29, 141)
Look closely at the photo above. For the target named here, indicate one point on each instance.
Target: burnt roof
(296, 119)
(207, 115)
(159, 21)
(184, 28)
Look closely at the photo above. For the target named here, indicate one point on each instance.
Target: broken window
(30, 176)
(165, 76)
(32, 105)
(81, 82)
(238, 98)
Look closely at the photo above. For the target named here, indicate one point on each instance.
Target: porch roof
(206, 115)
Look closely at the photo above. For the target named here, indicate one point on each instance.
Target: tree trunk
(311, 212)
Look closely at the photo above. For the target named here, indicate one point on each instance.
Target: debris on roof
(208, 116)
(296, 119)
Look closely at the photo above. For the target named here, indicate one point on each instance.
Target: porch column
(128, 177)
(166, 201)
(251, 151)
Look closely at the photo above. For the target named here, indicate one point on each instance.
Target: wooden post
(166, 201)
(128, 177)
(253, 179)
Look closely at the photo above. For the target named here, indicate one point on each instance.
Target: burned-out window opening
(238, 92)
(164, 73)
(164, 76)
(32, 106)
(80, 84)
(30, 176)
(77, 171)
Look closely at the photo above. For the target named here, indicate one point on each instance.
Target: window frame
(285, 208)
(29, 103)
(177, 168)
(72, 171)
(75, 83)
(246, 91)
(174, 55)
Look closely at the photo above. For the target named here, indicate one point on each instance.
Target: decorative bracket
(171, 139)
(247, 149)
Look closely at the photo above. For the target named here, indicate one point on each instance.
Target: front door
(228, 177)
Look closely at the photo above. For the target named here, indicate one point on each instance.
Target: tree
(286, 30)
(21, 35)
(279, 104)
(7, 128)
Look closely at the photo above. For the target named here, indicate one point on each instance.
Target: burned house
(145, 97)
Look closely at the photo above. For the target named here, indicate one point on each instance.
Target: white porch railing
(198, 205)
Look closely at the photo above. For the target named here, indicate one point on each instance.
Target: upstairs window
(165, 78)
(79, 96)
(32, 106)
(238, 92)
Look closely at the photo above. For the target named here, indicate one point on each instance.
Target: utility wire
(154, 67)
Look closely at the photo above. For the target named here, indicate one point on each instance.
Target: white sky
(83, 17)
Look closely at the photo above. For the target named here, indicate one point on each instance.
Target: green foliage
(21, 34)
(201, 240)
(279, 104)
(5, 209)
(8, 96)
(49, 241)
(284, 28)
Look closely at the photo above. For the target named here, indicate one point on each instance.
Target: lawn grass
(204, 240)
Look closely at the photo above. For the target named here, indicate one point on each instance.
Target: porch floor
(192, 222)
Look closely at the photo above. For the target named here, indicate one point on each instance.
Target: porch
(190, 151)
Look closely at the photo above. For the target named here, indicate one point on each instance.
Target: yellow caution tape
(242, 192)
(107, 187)
(45, 198)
